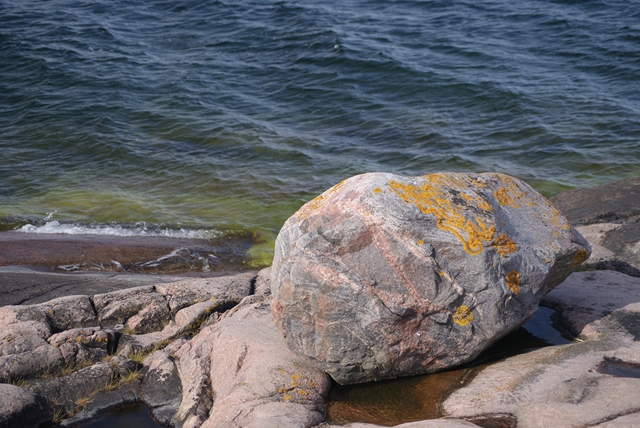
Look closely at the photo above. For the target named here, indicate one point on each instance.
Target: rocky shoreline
(206, 352)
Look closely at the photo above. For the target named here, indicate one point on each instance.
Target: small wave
(139, 229)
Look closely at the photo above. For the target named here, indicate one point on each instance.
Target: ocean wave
(138, 229)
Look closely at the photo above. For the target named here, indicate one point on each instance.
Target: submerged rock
(384, 276)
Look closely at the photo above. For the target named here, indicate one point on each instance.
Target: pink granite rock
(384, 276)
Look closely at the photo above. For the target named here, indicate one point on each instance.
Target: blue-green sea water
(213, 115)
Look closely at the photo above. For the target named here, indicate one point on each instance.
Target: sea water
(211, 116)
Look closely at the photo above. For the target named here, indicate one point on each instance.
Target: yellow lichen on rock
(578, 258)
(463, 316)
(430, 198)
(504, 245)
(512, 279)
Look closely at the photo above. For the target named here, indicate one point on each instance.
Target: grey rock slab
(68, 391)
(239, 373)
(152, 317)
(82, 345)
(62, 313)
(623, 421)
(615, 207)
(432, 423)
(118, 306)
(598, 304)
(614, 202)
(25, 352)
(604, 259)
(559, 386)
(21, 408)
(22, 285)
(161, 383)
(195, 290)
(384, 276)
(263, 282)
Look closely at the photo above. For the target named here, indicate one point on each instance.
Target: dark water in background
(217, 114)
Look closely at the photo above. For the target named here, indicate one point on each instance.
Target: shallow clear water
(414, 398)
(233, 114)
(129, 416)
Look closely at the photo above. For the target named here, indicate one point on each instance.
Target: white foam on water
(140, 229)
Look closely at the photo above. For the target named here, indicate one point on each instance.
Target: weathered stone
(62, 313)
(71, 392)
(119, 306)
(25, 352)
(384, 276)
(239, 373)
(122, 394)
(604, 259)
(610, 203)
(617, 247)
(608, 215)
(431, 423)
(21, 408)
(555, 386)
(161, 387)
(81, 345)
(263, 282)
(152, 317)
(599, 304)
(187, 321)
(581, 384)
(195, 290)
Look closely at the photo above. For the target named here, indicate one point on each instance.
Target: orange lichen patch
(78, 339)
(430, 198)
(554, 217)
(295, 376)
(311, 383)
(513, 281)
(511, 194)
(578, 258)
(302, 392)
(294, 384)
(286, 397)
(463, 316)
(420, 242)
(504, 245)
(377, 190)
(503, 197)
(281, 390)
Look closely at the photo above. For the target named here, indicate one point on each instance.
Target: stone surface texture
(433, 423)
(21, 408)
(608, 215)
(238, 373)
(384, 276)
(587, 383)
(598, 304)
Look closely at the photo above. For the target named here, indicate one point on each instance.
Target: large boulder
(384, 276)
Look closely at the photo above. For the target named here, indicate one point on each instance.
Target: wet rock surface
(385, 276)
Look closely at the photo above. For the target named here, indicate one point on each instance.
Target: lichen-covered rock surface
(384, 276)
